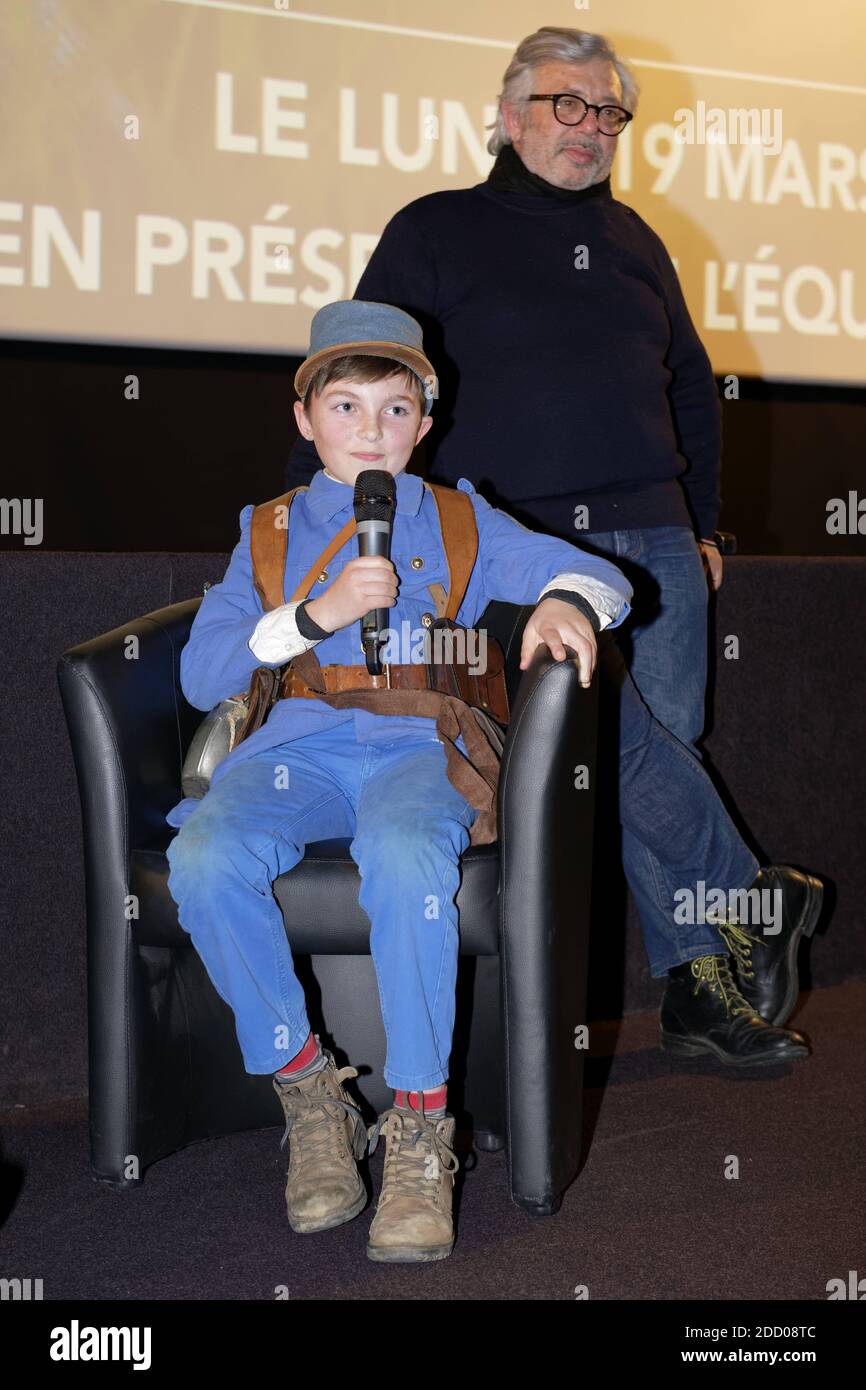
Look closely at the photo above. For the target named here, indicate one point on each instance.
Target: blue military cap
(350, 326)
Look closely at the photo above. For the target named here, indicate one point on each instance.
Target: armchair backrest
(129, 725)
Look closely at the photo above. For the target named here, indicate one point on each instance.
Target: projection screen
(208, 173)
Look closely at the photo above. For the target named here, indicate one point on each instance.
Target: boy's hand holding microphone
(366, 582)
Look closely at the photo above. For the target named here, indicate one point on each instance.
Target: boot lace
(312, 1115)
(715, 973)
(414, 1142)
(740, 944)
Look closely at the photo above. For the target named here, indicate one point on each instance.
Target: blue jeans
(665, 649)
(665, 638)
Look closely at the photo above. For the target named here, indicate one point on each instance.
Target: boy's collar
(326, 496)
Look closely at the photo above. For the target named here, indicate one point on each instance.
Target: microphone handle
(374, 538)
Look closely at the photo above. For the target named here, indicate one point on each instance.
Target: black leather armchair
(165, 1067)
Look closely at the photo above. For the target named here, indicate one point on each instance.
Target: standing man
(612, 438)
(573, 386)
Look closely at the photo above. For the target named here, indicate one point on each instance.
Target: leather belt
(410, 676)
(486, 692)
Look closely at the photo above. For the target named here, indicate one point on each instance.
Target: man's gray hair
(551, 45)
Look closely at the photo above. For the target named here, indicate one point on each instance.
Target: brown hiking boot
(324, 1187)
(413, 1216)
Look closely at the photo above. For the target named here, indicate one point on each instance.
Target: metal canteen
(213, 740)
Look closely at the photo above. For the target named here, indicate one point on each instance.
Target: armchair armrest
(546, 809)
(128, 724)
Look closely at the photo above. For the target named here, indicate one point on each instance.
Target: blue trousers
(409, 829)
(665, 651)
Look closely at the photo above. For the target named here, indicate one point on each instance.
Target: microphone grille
(375, 495)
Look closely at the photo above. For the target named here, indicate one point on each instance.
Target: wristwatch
(724, 541)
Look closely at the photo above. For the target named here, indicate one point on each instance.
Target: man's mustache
(584, 145)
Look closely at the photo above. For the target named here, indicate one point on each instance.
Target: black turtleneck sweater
(558, 387)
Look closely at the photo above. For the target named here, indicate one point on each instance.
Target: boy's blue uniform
(513, 565)
(314, 772)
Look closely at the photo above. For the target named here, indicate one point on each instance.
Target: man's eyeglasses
(570, 110)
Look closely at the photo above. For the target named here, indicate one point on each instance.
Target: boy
(314, 771)
(367, 392)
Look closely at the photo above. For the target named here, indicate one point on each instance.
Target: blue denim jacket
(513, 565)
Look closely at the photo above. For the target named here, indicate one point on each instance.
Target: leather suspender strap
(459, 540)
(269, 543)
(315, 570)
(268, 546)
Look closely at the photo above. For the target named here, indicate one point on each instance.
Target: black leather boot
(703, 1011)
(766, 966)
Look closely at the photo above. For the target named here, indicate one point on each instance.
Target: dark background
(212, 431)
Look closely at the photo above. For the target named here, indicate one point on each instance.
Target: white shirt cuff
(606, 602)
(276, 637)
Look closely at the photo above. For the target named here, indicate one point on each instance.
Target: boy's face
(357, 425)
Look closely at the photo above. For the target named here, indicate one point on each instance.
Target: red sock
(433, 1100)
(308, 1053)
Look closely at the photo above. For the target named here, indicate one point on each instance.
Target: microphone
(375, 501)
